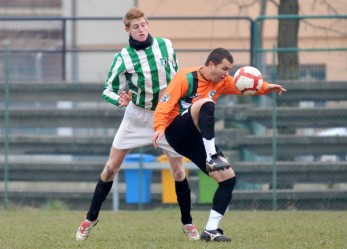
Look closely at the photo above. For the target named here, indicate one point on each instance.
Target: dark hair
(217, 55)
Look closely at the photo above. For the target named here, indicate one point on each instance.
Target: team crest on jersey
(165, 98)
(196, 95)
(211, 94)
(164, 61)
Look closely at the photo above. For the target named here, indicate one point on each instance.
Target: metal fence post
(115, 200)
(274, 134)
(6, 126)
(63, 50)
(140, 179)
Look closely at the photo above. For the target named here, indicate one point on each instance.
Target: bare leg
(113, 164)
(105, 182)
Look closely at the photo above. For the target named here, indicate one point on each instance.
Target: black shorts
(185, 138)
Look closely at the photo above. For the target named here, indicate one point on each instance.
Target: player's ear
(127, 29)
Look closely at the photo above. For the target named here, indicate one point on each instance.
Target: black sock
(206, 120)
(184, 201)
(101, 191)
(223, 195)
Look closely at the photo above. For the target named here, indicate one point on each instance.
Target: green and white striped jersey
(146, 72)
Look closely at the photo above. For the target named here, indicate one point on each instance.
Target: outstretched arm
(275, 88)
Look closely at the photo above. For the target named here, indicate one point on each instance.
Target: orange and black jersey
(185, 88)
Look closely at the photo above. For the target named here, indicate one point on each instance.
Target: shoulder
(228, 80)
(228, 86)
(125, 50)
(188, 70)
(183, 74)
(121, 56)
(164, 41)
(118, 56)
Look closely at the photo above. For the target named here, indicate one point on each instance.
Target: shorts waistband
(134, 107)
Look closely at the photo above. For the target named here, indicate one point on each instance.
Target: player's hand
(156, 137)
(275, 88)
(124, 98)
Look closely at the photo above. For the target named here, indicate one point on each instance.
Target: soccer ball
(248, 80)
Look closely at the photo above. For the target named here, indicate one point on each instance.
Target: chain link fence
(288, 151)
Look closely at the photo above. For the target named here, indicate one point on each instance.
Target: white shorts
(136, 130)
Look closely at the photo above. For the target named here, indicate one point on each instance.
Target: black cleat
(216, 163)
(214, 235)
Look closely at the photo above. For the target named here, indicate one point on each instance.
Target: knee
(108, 173)
(179, 175)
(177, 169)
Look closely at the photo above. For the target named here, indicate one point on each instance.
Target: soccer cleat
(216, 163)
(191, 232)
(84, 229)
(214, 235)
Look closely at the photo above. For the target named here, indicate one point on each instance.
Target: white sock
(209, 147)
(213, 220)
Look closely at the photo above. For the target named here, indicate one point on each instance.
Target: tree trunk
(288, 62)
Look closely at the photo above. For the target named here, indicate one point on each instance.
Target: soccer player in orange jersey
(185, 115)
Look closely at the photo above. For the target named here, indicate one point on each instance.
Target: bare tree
(288, 66)
(288, 29)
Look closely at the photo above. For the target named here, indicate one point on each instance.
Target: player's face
(220, 71)
(138, 29)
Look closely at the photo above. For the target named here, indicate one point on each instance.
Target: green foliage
(162, 229)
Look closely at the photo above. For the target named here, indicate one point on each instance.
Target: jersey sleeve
(116, 80)
(172, 54)
(175, 61)
(167, 108)
(230, 87)
(263, 90)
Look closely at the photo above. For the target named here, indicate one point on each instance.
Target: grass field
(161, 229)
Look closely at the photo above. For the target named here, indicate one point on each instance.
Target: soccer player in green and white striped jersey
(144, 68)
(147, 72)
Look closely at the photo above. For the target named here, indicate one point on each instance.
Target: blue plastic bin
(138, 181)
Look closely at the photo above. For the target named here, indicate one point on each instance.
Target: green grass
(162, 229)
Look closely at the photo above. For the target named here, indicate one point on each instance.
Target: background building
(88, 45)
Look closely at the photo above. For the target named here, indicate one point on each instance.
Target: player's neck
(140, 45)
(203, 72)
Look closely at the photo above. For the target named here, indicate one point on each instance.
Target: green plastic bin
(207, 188)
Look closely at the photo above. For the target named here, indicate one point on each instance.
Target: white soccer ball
(248, 80)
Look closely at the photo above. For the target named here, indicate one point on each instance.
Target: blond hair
(133, 13)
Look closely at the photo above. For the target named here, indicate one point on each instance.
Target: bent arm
(115, 82)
